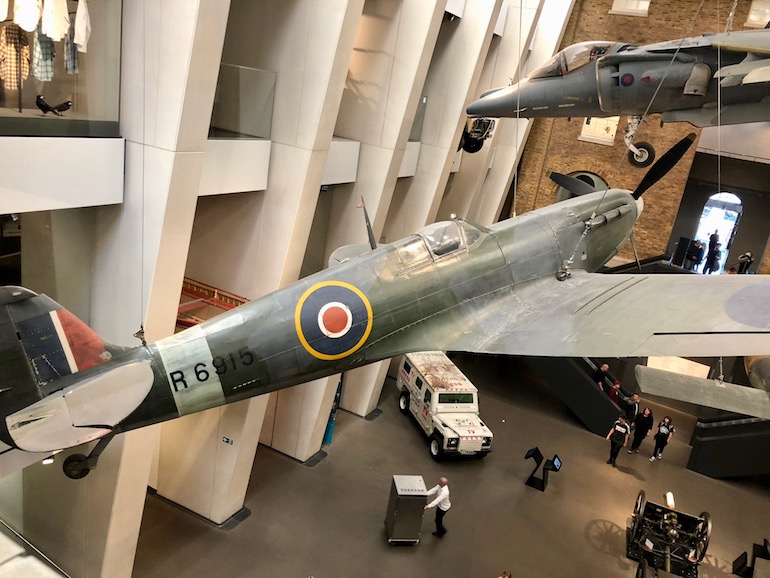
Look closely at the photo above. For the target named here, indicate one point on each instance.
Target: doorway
(722, 213)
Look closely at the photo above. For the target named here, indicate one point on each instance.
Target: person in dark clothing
(694, 256)
(631, 407)
(614, 393)
(712, 260)
(699, 252)
(600, 377)
(618, 436)
(744, 262)
(662, 437)
(713, 240)
(643, 423)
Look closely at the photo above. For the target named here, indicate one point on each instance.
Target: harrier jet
(523, 286)
(685, 80)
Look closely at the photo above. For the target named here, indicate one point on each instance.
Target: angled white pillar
(281, 37)
(386, 74)
(451, 82)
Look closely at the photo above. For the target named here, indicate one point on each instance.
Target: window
(550, 69)
(759, 14)
(583, 53)
(455, 398)
(427, 396)
(419, 383)
(412, 252)
(630, 7)
(600, 130)
(407, 367)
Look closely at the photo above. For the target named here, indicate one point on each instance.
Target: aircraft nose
(498, 103)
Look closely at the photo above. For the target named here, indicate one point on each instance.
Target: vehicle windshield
(572, 58)
(455, 398)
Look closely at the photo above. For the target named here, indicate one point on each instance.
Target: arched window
(720, 216)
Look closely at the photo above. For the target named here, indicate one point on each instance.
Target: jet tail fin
(741, 399)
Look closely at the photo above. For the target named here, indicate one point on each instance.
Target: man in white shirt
(443, 503)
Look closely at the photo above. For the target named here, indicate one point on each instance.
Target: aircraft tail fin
(40, 342)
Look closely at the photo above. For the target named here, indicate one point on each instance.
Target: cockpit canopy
(572, 58)
(436, 241)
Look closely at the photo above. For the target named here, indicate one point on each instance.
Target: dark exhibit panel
(572, 380)
(405, 509)
(745, 179)
(730, 448)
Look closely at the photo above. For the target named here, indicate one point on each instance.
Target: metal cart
(666, 542)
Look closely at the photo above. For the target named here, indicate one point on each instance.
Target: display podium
(406, 506)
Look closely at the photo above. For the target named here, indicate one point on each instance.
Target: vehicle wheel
(403, 402)
(645, 157)
(75, 467)
(703, 535)
(638, 515)
(472, 145)
(644, 570)
(436, 446)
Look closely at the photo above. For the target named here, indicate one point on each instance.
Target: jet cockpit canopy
(572, 58)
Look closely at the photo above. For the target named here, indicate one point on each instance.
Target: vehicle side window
(419, 383)
(426, 399)
(407, 367)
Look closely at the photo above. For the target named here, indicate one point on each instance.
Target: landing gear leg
(77, 466)
(640, 154)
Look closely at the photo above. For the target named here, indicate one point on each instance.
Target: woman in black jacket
(642, 426)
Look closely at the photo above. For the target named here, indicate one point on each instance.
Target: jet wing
(706, 392)
(595, 315)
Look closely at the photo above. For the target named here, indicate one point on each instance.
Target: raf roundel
(627, 79)
(333, 320)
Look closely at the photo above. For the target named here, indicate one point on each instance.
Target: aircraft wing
(706, 392)
(595, 315)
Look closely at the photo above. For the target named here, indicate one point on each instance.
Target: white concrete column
(454, 72)
(273, 227)
(170, 57)
(386, 74)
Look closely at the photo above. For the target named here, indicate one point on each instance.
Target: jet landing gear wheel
(644, 158)
(472, 145)
(403, 403)
(75, 467)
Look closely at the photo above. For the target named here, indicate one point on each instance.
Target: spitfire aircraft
(523, 286)
(683, 79)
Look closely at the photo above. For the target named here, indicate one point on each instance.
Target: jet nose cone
(497, 103)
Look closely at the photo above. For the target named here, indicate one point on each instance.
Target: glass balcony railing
(243, 104)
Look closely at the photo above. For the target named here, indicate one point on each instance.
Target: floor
(328, 521)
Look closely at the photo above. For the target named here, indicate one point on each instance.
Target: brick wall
(553, 144)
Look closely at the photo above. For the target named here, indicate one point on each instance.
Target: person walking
(631, 407)
(712, 260)
(662, 437)
(643, 423)
(618, 437)
(442, 501)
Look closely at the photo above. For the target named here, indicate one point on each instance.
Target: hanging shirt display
(56, 19)
(26, 13)
(14, 56)
(43, 54)
(82, 26)
(70, 52)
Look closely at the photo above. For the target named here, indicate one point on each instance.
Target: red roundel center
(335, 319)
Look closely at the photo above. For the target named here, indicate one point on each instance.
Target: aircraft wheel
(436, 446)
(644, 158)
(472, 145)
(75, 467)
(403, 402)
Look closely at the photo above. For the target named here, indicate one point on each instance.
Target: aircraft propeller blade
(572, 184)
(664, 164)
